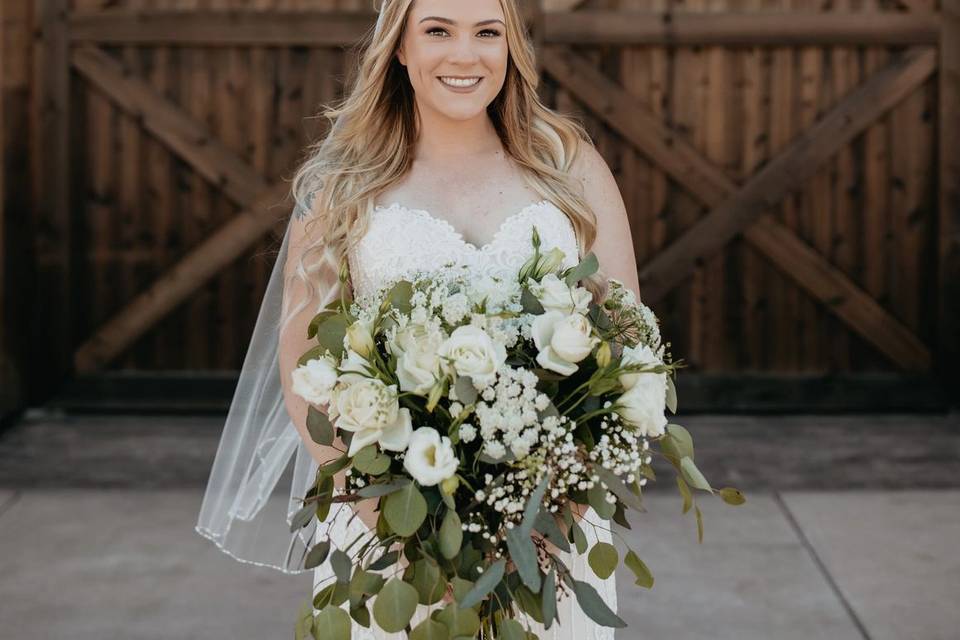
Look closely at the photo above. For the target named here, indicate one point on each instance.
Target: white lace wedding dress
(400, 241)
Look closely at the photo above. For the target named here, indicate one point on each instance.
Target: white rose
(430, 459)
(644, 404)
(562, 340)
(314, 380)
(418, 363)
(638, 355)
(472, 352)
(370, 409)
(555, 295)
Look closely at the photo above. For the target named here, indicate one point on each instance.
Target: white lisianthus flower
(354, 367)
(314, 380)
(472, 352)
(430, 459)
(638, 355)
(359, 338)
(555, 295)
(644, 404)
(562, 340)
(370, 409)
(419, 364)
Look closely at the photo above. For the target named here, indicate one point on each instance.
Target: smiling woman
(466, 56)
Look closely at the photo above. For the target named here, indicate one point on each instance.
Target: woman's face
(455, 52)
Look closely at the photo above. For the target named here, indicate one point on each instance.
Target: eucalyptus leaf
(510, 629)
(579, 538)
(732, 496)
(342, 565)
(593, 605)
(461, 587)
(603, 559)
(361, 615)
(486, 583)
(451, 535)
(427, 578)
(671, 395)
(394, 605)
(524, 556)
(530, 302)
(529, 602)
(324, 497)
(317, 555)
(382, 489)
(586, 268)
(459, 621)
(330, 333)
(318, 424)
(534, 502)
(400, 295)
(429, 629)
(364, 583)
(692, 474)
(597, 497)
(405, 510)
(335, 466)
(640, 570)
(685, 492)
(683, 441)
(547, 525)
(317, 319)
(385, 561)
(548, 598)
(332, 623)
(373, 465)
(302, 518)
(466, 392)
(304, 626)
(696, 510)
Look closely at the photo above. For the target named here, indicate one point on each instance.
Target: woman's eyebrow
(449, 21)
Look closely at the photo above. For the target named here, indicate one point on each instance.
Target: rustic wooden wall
(871, 210)
(14, 198)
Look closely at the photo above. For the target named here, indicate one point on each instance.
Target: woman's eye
(433, 30)
(493, 33)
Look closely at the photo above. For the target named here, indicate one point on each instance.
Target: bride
(440, 152)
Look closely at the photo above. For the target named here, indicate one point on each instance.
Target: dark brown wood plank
(949, 196)
(53, 307)
(608, 27)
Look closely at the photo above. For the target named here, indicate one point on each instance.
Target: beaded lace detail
(401, 242)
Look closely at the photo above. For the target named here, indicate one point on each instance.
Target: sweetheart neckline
(449, 227)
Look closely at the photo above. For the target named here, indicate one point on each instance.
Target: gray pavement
(103, 556)
(126, 564)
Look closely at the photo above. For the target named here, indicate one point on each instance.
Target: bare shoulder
(599, 187)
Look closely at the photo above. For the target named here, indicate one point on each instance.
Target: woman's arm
(614, 243)
(294, 343)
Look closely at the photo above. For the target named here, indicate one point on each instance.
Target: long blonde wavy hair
(369, 145)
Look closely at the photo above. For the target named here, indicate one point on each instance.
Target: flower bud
(436, 392)
(449, 486)
(344, 271)
(360, 339)
(550, 262)
(603, 354)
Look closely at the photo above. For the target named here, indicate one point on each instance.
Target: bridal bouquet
(484, 417)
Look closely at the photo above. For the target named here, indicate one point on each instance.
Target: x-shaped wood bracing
(735, 210)
(741, 210)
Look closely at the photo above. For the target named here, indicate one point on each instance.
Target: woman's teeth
(459, 82)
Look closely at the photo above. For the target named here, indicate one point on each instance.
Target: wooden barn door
(779, 163)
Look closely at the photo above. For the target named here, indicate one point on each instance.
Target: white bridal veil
(262, 467)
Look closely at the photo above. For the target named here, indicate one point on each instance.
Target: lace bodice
(401, 241)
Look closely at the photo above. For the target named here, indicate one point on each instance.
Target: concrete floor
(108, 562)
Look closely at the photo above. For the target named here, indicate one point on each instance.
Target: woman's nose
(464, 51)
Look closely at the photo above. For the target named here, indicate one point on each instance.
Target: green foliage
(459, 621)
(332, 623)
(330, 333)
(370, 460)
(451, 535)
(692, 474)
(586, 268)
(317, 555)
(549, 598)
(640, 570)
(593, 605)
(510, 629)
(732, 496)
(394, 606)
(430, 629)
(524, 556)
(321, 431)
(342, 565)
(486, 583)
(603, 559)
(426, 577)
(405, 510)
